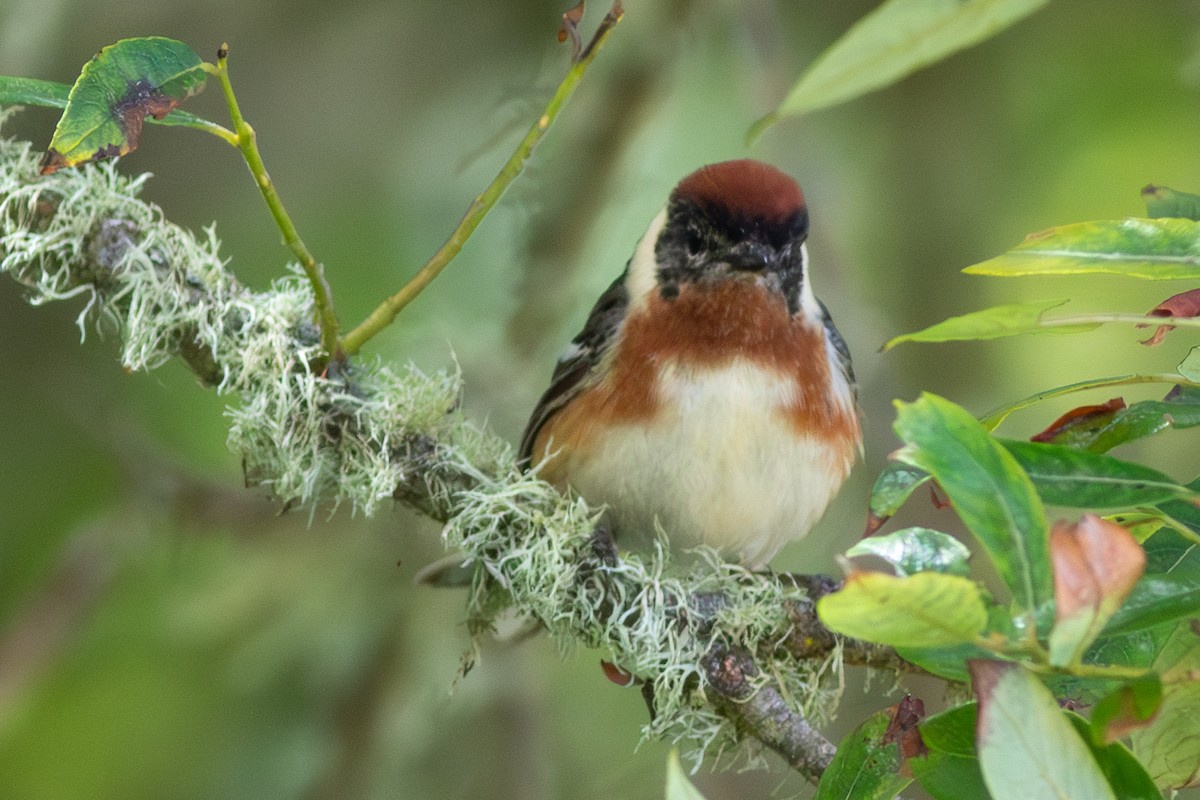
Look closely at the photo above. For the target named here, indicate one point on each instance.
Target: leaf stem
(1036, 658)
(247, 142)
(201, 124)
(479, 208)
(1102, 318)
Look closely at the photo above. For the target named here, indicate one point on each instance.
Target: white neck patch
(643, 267)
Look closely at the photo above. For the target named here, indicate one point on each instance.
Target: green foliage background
(165, 633)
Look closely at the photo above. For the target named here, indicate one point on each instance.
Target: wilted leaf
(895, 484)
(991, 323)
(1164, 202)
(114, 94)
(896, 39)
(1065, 476)
(1156, 249)
(1129, 708)
(868, 761)
(924, 610)
(1027, 748)
(1096, 564)
(988, 489)
(1185, 304)
(678, 785)
(913, 550)
(1079, 422)
(1169, 746)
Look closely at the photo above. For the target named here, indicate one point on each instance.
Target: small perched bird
(708, 390)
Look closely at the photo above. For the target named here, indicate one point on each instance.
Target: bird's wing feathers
(580, 360)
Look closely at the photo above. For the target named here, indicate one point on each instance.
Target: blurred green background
(166, 633)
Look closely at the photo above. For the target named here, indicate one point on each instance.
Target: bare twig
(758, 709)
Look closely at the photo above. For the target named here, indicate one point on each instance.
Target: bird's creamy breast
(721, 463)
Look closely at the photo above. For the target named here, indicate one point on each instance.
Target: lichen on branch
(363, 432)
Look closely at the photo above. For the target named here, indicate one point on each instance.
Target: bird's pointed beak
(750, 256)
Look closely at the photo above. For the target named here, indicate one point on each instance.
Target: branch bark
(358, 441)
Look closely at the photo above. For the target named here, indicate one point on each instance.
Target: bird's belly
(720, 463)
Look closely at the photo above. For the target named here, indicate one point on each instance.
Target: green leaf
(913, 550)
(865, 768)
(1190, 366)
(1065, 476)
(32, 92)
(1126, 776)
(987, 487)
(1179, 410)
(1155, 249)
(945, 662)
(991, 323)
(895, 484)
(115, 92)
(951, 771)
(1127, 709)
(952, 731)
(895, 40)
(1027, 748)
(1164, 202)
(678, 785)
(1156, 599)
(925, 610)
(1169, 746)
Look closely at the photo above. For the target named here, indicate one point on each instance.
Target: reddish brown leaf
(902, 729)
(1185, 305)
(617, 675)
(1096, 562)
(937, 497)
(1083, 418)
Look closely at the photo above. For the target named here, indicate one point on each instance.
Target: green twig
(383, 315)
(247, 142)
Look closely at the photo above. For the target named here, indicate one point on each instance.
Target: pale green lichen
(357, 434)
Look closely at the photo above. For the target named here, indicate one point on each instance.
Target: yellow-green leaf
(678, 785)
(1155, 249)
(996, 322)
(929, 609)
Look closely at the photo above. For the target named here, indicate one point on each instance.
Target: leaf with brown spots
(1183, 305)
(115, 92)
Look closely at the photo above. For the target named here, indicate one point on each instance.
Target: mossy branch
(364, 433)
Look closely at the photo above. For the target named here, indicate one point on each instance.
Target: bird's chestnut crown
(743, 214)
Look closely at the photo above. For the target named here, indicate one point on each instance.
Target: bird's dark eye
(695, 241)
